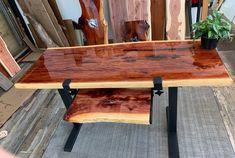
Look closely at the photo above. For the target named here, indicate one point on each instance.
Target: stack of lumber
(47, 25)
(42, 12)
(166, 20)
(158, 19)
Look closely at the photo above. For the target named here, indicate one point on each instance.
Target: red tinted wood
(90, 22)
(128, 65)
(110, 105)
(136, 30)
(158, 19)
(6, 59)
(175, 19)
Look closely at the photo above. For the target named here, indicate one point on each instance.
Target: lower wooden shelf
(110, 105)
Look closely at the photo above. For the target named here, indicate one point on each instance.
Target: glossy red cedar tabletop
(118, 102)
(129, 62)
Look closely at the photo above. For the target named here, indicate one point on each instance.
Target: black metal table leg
(67, 96)
(72, 137)
(171, 112)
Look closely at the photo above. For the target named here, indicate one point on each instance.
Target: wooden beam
(56, 11)
(70, 32)
(41, 11)
(158, 18)
(6, 59)
(175, 15)
(204, 9)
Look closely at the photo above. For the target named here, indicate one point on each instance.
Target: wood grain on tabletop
(179, 63)
(111, 105)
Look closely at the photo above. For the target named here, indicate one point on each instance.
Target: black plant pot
(208, 43)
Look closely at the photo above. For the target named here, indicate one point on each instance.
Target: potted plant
(214, 28)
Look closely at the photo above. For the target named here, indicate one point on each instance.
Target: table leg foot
(173, 148)
(72, 137)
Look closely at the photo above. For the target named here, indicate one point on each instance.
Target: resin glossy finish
(111, 105)
(128, 65)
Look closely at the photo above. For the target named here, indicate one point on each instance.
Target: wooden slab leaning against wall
(175, 15)
(42, 12)
(204, 9)
(90, 22)
(6, 59)
(158, 19)
(131, 10)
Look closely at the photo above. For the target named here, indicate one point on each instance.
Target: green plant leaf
(215, 26)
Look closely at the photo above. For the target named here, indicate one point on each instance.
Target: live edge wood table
(104, 74)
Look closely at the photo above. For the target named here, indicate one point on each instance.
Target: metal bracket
(67, 94)
(66, 87)
(157, 82)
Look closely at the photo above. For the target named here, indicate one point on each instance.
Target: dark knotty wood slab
(128, 65)
(111, 105)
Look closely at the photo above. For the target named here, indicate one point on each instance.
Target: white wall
(228, 8)
(69, 9)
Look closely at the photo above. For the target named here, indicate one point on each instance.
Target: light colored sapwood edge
(103, 22)
(137, 84)
(111, 117)
(5, 83)
(126, 43)
(204, 9)
(149, 20)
